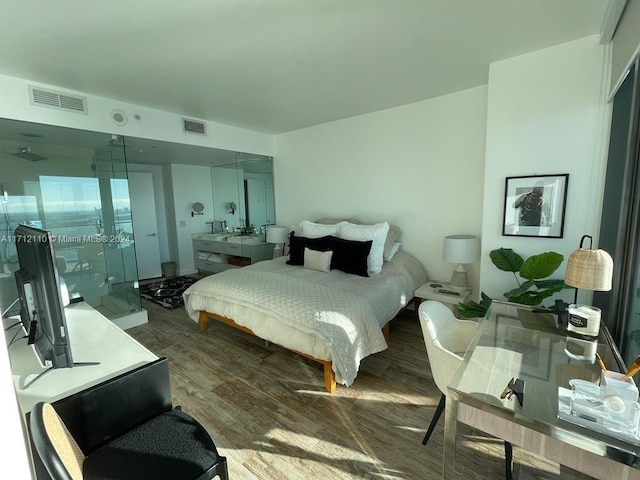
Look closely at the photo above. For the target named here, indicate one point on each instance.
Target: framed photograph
(534, 206)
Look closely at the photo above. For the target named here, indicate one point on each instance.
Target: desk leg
(450, 425)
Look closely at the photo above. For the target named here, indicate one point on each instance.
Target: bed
(332, 317)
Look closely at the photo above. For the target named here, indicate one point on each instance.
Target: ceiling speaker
(119, 117)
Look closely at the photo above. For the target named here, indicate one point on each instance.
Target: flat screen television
(41, 299)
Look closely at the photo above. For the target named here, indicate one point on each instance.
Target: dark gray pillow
(350, 256)
(298, 244)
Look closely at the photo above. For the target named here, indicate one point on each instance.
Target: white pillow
(392, 237)
(362, 233)
(315, 260)
(317, 230)
(389, 255)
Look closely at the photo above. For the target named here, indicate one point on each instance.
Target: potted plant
(531, 275)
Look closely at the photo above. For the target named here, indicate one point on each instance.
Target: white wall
(153, 124)
(545, 116)
(190, 184)
(418, 166)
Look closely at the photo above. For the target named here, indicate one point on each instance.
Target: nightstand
(432, 290)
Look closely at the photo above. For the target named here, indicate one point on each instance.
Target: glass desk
(515, 341)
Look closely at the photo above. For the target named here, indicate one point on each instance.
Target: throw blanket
(344, 321)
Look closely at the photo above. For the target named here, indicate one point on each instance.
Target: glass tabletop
(519, 342)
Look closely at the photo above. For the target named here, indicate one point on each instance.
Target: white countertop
(93, 339)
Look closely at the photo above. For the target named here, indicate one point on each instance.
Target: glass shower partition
(116, 231)
(81, 195)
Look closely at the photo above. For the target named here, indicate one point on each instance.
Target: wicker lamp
(588, 269)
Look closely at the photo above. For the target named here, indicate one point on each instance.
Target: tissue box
(616, 384)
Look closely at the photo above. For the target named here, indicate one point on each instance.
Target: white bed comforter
(330, 316)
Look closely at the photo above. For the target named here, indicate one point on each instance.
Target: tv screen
(40, 290)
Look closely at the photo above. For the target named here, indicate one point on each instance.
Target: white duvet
(328, 315)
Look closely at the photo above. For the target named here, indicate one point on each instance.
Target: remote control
(448, 292)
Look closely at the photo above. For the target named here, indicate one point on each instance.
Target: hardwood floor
(268, 413)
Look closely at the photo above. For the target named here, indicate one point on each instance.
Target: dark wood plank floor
(268, 413)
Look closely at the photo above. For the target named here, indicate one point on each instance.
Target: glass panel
(73, 183)
(614, 195)
(120, 259)
(517, 342)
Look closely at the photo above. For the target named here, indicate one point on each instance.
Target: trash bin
(168, 269)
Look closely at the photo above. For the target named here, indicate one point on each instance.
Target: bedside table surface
(431, 291)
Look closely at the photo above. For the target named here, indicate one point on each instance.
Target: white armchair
(446, 339)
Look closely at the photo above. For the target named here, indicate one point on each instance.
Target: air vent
(194, 126)
(57, 100)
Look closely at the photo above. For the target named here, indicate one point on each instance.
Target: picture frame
(534, 205)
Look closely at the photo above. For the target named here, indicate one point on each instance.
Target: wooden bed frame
(329, 374)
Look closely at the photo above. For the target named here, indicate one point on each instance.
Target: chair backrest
(57, 449)
(446, 339)
(100, 413)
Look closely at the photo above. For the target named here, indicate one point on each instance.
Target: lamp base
(460, 279)
(278, 250)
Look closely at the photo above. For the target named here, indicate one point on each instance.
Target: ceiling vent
(58, 100)
(194, 126)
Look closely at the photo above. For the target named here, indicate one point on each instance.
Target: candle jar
(584, 319)
(581, 349)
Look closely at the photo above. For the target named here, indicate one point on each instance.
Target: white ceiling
(278, 65)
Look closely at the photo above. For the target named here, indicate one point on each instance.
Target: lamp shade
(461, 249)
(276, 234)
(590, 270)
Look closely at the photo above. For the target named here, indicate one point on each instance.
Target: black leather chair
(124, 428)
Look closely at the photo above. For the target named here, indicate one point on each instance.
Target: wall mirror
(243, 193)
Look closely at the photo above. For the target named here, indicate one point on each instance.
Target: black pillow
(350, 256)
(297, 245)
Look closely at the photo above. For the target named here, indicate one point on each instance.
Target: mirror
(246, 188)
(197, 209)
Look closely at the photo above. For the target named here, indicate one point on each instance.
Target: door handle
(151, 234)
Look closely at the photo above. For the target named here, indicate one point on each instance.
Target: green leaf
(485, 299)
(472, 309)
(541, 265)
(506, 260)
(541, 284)
(532, 297)
(518, 290)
